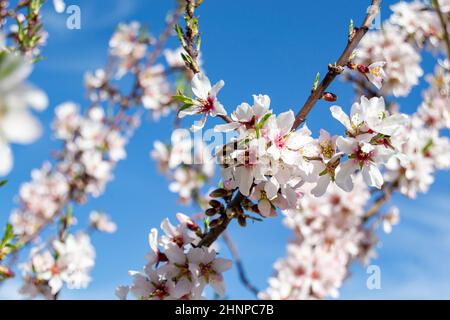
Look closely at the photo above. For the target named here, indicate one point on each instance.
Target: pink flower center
(208, 105)
(280, 142)
(363, 157)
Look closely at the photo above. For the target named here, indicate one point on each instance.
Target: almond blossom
(17, 100)
(206, 102)
(402, 60)
(70, 264)
(328, 236)
(177, 269)
(102, 222)
(127, 47)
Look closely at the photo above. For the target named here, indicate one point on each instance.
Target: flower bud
(215, 204)
(215, 223)
(242, 221)
(211, 212)
(330, 97)
(363, 68)
(218, 193)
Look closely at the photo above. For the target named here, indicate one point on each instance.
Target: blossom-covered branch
(355, 36)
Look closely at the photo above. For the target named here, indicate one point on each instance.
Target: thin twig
(443, 21)
(336, 69)
(386, 195)
(215, 232)
(239, 264)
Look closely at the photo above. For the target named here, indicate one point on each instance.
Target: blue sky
(256, 46)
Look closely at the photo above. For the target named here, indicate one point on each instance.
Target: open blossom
(41, 200)
(174, 58)
(390, 219)
(374, 73)
(59, 5)
(402, 67)
(368, 144)
(156, 90)
(70, 264)
(329, 235)
(177, 269)
(434, 111)
(425, 152)
(17, 123)
(246, 118)
(206, 102)
(329, 159)
(187, 163)
(267, 152)
(92, 148)
(102, 222)
(416, 22)
(127, 47)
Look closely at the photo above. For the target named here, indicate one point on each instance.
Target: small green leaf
(183, 99)
(316, 82)
(351, 28)
(3, 182)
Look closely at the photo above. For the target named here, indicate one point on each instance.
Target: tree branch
(388, 190)
(335, 70)
(215, 232)
(440, 14)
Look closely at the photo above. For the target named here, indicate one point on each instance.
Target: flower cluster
(267, 160)
(17, 100)
(270, 161)
(402, 60)
(92, 148)
(41, 199)
(329, 234)
(425, 150)
(369, 142)
(127, 46)
(101, 222)
(187, 162)
(67, 262)
(416, 23)
(177, 268)
(91, 151)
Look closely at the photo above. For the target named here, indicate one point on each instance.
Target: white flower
(206, 102)
(102, 222)
(126, 46)
(17, 123)
(70, 265)
(390, 219)
(181, 271)
(376, 74)
(246, 118)
(206, 267)
(362, 156)
(370, 117)
(59, 5)
(402, 60)
(174, 58)
(416, 22)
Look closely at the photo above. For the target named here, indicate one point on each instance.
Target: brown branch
(386, 195)
(215, 232)
(443, 21)
(239, 264)
(335, 70)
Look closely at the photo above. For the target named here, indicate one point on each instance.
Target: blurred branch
(239, 264)
(385, 197)
(444, 22)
